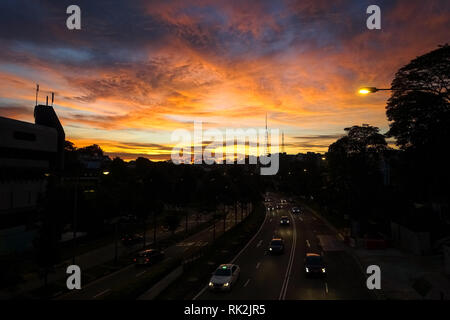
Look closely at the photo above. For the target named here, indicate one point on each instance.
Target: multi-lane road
(282, 277)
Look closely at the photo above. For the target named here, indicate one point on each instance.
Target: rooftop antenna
(46, 103)
(37, 90)
(53, 98)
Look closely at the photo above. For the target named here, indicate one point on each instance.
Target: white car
(224, 277)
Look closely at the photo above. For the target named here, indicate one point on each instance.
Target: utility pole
(74, 219)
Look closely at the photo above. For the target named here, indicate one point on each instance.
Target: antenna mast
(37, 90)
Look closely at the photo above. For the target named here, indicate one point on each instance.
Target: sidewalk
(404, 276)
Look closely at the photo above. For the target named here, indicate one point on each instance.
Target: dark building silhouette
(28, 154)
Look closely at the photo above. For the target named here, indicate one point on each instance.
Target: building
(29, 152)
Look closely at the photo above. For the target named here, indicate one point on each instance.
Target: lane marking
(101, 293)
(246, 283)
(326, 287)
(141, 273)
(257, 265)
(290, 263)
(308, 244)
(237, 256)
(259, 243)
(300, 218)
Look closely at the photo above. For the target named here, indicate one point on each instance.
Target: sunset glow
(135, 74)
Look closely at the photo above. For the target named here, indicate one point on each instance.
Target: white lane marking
(141, 273)
(257, 265)
(326, 287)
(290, 263)
(259, 243)
(101, 293)
(300, 218)
(246, 283)
(237, 256)
(308, 244)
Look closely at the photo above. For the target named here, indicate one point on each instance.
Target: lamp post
(367, 90)
(74, 218)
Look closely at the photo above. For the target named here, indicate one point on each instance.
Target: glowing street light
(367, 90)
(105, 173)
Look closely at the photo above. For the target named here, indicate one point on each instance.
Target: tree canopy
(419, 108)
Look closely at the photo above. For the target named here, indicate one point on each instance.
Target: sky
(139, 70)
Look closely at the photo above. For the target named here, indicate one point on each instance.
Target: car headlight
(323, 270)
(226, 284)
(307, 270)
(270, 249)
(211, 284)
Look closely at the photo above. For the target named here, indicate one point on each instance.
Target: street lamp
(367, 90)
(105, 173)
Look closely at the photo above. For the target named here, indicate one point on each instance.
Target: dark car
(149, 257)
(132, 239)
(314, 265)
(296, 210)
(284, 221)
(276, 246)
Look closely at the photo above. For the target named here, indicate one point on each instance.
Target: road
(100, 288)
(267, 277)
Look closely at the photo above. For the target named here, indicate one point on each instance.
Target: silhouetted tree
(354, 164)
(419, 108)
(419, 111)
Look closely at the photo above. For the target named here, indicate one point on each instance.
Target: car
(284, 221)
(270, 208)
(276, 246)
(224, 277)
(314, 265)
(296, 210)
(129, 218)
(132, 239)
(149, 257)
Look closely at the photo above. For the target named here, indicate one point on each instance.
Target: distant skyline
(137, 70)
